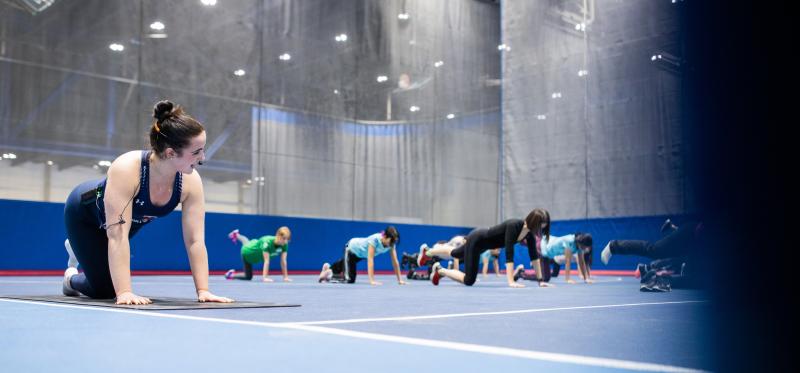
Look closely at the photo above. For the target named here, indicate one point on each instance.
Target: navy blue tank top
(143, 210)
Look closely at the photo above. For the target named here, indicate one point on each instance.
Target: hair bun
(163, 110)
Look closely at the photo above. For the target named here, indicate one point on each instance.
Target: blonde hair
(284, 232)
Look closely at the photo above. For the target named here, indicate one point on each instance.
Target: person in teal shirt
(358, 249)
(492, 255)
(566, 247)
(262, 249)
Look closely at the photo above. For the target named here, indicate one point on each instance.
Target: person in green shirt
(262, 249)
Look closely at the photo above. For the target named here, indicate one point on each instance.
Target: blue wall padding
(32, 238)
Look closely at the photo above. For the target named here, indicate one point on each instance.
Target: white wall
(26, 181)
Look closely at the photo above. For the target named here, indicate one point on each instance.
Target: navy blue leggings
(90, 244)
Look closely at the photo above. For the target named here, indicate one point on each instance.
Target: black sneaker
(662, 285)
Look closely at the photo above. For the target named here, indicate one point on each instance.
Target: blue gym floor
(606, 326)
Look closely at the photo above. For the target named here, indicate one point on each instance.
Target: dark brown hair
(172, 128)
(392, 234)
(535, 219)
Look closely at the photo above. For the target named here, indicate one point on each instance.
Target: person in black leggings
(675, 256)
(506, 235)
(101, 216)
(678, 242)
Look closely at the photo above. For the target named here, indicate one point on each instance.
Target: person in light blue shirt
(492, 255)
(566, 248)
(358, 249)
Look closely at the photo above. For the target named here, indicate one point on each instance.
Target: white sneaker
(66, 288)
(72, 262)
(326, 273)
(605, 256)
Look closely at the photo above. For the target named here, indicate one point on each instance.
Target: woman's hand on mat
(401, 282)
(286, 279)
(206, 296)
(131, 298)
(267, 279)
(376, 283)
(570, 281)
(543, 284)
(515, 285)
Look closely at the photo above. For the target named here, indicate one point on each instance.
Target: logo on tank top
(144, 219)
(139, 202)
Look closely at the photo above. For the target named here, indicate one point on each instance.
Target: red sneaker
(435, 276)
(421, 258)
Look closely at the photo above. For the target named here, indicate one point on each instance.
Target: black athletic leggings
(676, 244)
(470, 253)
(347, 266)
(248, 272)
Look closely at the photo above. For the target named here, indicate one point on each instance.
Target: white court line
(467, 347)
(425, 317)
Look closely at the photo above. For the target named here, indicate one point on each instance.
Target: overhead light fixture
(104, 163)
(541, 117)
(580, 27)
(403, 16)
(158, 26)
(583, 72)
(341, 38)
(451, 116)
(9, 156)
(414, 108)
(49, 163)
(438, 64)
(116, 47)
(32, 6)
(239, 72)
(209, 2)
(285, 57)
(503, 47)
(556, 95)
(668, 61)
(382, 78)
